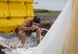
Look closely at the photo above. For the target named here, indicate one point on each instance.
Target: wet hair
(36, 19)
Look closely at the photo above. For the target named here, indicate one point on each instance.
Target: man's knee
(21, 33)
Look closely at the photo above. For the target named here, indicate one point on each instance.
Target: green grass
(40, 10)
(55, 12)
(46, 11)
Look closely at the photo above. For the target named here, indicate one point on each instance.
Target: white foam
(29, 45)
(20, 51)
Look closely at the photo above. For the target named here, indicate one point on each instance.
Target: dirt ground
(47, 19)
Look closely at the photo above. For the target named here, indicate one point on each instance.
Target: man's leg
(22, 36)
(38, 33)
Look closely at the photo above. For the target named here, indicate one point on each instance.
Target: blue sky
(50, 4)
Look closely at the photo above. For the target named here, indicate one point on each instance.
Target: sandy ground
(47, 19)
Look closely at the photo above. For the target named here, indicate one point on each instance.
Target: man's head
(36, 20)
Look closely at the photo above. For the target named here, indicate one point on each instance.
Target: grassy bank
(46, 11)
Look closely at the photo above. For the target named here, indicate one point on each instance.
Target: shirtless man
(27, 27)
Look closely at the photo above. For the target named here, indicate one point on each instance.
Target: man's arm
(33, 27)
(24, 25)
(26, 28)
(38, 33)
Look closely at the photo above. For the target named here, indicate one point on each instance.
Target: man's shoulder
(29, 19)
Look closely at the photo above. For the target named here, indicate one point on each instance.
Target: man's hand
(33, 27)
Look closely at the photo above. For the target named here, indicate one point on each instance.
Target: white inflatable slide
(54, 41)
